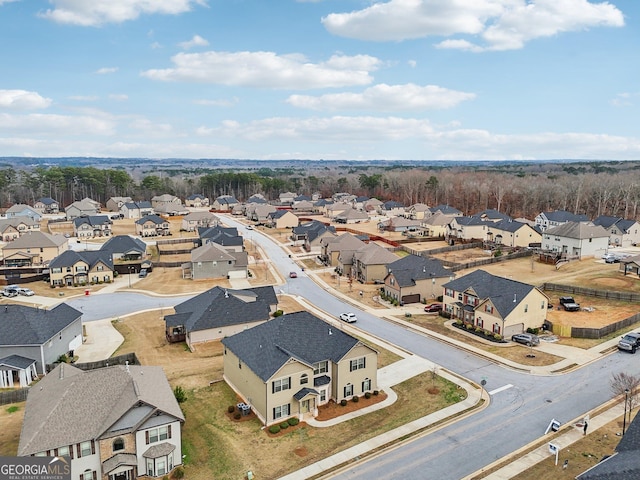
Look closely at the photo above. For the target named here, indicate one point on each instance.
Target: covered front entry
(16, 370)
(307, 402)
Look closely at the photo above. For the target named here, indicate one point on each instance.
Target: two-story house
(292, 364)
(114, 423)
(496, 304)
(81, 268)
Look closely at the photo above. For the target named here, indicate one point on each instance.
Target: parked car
(293, 275)
(630, 342)
(143, 273)
(569, 304)
(433, 308)
(348, 317)
(528, 339)
(26, 291)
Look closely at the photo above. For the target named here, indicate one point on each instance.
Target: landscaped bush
(293, 421)
(343, 402)
(355, 399)
(284, 425)
(231, 408)
(274, 429)
(367, 395)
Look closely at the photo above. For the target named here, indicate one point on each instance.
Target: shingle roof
(90, 257)
(501, 291)
(219, 307)
(22, 325)
(301, 335)
(71, 405)
(412, 268)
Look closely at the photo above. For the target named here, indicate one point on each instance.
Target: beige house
(292, 364)
(34, 248)
(370, 262)
(495, 304)
(282, 219)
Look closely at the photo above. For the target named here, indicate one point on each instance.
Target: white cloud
(384, 97)
(22, 100)
(106, 70)
(267, 70)
(99, 12)
(499, 24)
(119, 97)
(196, 41)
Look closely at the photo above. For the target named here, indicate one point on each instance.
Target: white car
(348, 317)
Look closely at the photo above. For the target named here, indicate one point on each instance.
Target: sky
(321, 79)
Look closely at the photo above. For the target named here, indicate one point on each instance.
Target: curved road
(521, 406)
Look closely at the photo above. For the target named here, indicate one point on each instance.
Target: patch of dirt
(333, 410)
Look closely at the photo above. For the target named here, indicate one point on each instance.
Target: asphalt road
(521, 405)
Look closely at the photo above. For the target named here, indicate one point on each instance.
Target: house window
(348, 390)
(304, 379)
(280, 385)
(281, 411)
(320, 367)
(357, 364)
(118, 444)
(366, 385)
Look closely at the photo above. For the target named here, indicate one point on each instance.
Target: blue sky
(323, 79)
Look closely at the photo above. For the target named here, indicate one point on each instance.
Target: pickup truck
(569, 304)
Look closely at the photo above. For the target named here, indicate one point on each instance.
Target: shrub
(231, 409)
(343, 402)
(178, 473)
(367, 395)
(284, 425)
(274, 429)
(293, 421)
(355, 399)
(237, 416)
(180, 394)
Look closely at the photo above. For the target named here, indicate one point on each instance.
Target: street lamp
(624, 420)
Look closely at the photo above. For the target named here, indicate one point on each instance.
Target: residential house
(82, 208)
(622, 233)
(512, 234)
(467, 229)
(85, 267)
(136, 210)
(446, 210)
(495, 304)
(332, 247)
(310, 234)
(12, 228)
(92, 226)
(414, 279)
(289, 366)
(211, 260)
(152, 226)
(218, 313)
(576, 240)
(391, 208)
(47, 205)
(32, 338)
(125, 248)
(165, 199)
(33, 248)
(418, 211)
(114, 423)
(624, 463)
(226, 237)
(194, 220)
(282, 219)
(114, 204)
(225, 203)
(370, 263)
(436, 225)
(556, 218)
(351, 215)
(259, 213)
(197, 200)
(21, 210)
(399, 224)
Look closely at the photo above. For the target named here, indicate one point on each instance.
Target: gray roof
(301, 335)
(124, 244)
(90, 257)
(22, 325)
(501, 291)
(70, 405)
(219, 307)
(408, 270)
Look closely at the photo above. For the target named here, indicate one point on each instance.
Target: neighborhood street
(521, 406)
